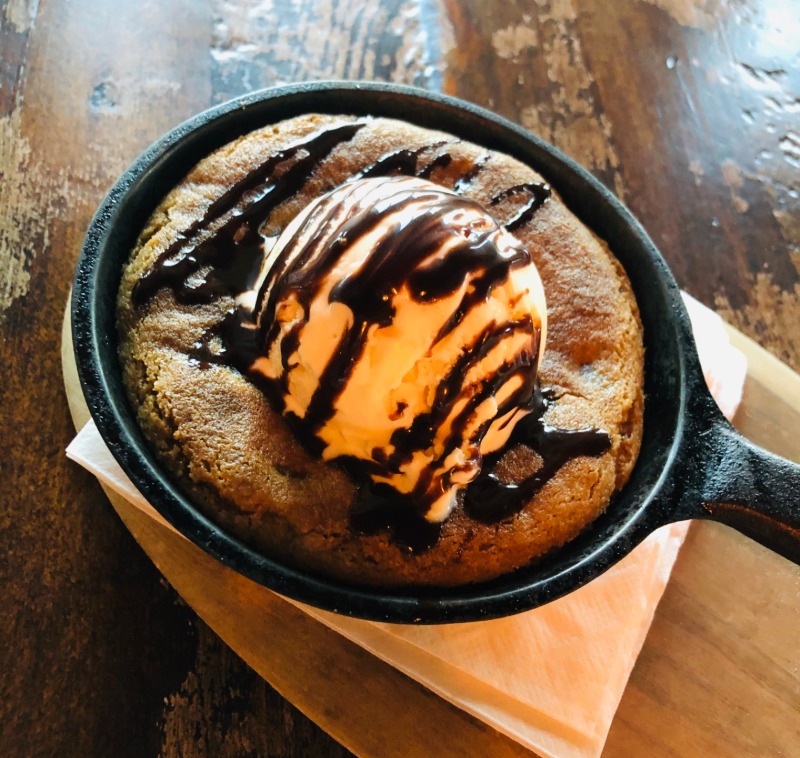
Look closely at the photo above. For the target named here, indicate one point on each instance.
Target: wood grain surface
(688, 109)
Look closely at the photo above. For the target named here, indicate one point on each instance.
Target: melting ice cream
(402, 327)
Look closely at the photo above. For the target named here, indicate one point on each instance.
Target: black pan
(692, 463)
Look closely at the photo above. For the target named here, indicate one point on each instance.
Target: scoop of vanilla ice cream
(403, 328)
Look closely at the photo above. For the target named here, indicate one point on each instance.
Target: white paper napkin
(551, 678)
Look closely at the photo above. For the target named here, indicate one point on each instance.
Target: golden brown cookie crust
(220, 439)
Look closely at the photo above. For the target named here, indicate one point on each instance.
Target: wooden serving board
(717, 675)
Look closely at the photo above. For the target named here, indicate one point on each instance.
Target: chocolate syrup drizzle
(487, 499)
(404, 162)
(227, 239)
(220, 255)
(539, 193)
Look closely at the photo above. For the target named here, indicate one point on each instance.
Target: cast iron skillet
(692, 463)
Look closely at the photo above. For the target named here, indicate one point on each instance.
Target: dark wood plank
(705, 120)
(90, 663)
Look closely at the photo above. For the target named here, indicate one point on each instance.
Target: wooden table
(688, 109)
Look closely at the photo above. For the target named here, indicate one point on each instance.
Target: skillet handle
(746, 487)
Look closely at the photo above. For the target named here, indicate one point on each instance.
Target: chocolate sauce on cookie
(405, 162)
(539, 193)
(487, 499)
(227, 237)
(464, 182)
(220, 255)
